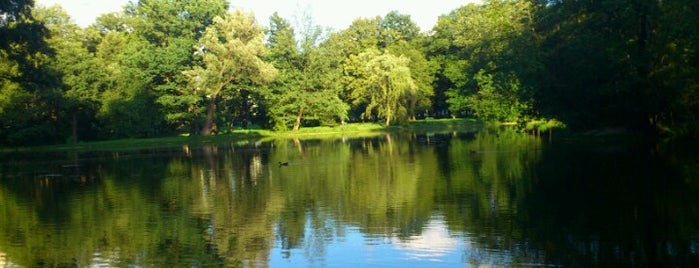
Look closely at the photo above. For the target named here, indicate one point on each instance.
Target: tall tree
(621, 64)
(383, 82)
(308, 85)
(30, 99)
(232, 49)
(401, 36)
(128, 108)
(81, 74)
(395, 33)
(485, 48)
(422, 72)
(172, 29)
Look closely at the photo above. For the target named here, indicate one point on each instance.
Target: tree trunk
(297, 124)
(209, 120)
(388, 116)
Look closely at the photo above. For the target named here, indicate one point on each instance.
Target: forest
(162, 68)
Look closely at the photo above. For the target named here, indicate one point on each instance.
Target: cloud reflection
(432, 244)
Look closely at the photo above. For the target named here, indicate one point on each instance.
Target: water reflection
(433, 244)
(492, 197)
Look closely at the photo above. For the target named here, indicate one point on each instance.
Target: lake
(489, 197)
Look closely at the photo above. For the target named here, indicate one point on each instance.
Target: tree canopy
(232, 49)
(167, 67)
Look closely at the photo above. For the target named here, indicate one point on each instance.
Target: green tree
(128, 108)
(401, 36)
(171, 29)
(80, 71)
(395, 33)
(383, 82)
(30, 98)
(422, 72)
(232, 51)
(396, 27)
(489, 103)
(487, 48)
(308, 86)
(621, 64)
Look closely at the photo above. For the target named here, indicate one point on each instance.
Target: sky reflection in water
(435, 247)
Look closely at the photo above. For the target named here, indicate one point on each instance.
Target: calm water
(486, 198)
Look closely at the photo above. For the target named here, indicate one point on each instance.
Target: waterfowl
(283, 164)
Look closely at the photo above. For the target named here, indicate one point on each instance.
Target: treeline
(165, 67)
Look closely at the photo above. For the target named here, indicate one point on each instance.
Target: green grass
(322, 130)
(437, 125)
(249, 135)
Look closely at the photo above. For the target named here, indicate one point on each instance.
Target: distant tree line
(162, 67)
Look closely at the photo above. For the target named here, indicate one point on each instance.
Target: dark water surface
(487, 198)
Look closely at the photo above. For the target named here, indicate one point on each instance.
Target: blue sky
(335, 14)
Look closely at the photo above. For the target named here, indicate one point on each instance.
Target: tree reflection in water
(491, 197)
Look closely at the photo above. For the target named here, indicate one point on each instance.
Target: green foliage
(308, 87)
(171, 30)
(232, 52)
(490, 60)
(30, 99)
(160, 21)
(537, 126)
(122, 115)
(422, 73)
(491, 103)
(155, 69)
(395, 33)
(81, 73)
(383, 82)
(621, 64)
(396, 27)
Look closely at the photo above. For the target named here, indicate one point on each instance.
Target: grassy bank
(352, 130)
(439, 125)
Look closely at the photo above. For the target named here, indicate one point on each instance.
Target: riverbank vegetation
(257, 135)
(167, 68)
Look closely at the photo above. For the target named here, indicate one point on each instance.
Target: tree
(395, 33)
(127, 103)
(487, 48)
(383, 82)
(308, 85)
(422, 72)
(30, 99)
(171, 29)
(231, 49)
(491, 102)
(397, 27)
(621, 64)
(80, 71)
(401, 36)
